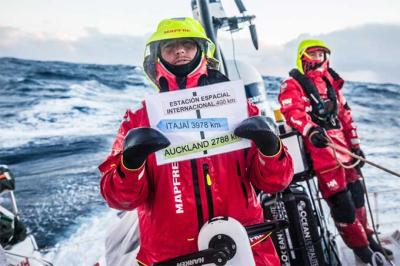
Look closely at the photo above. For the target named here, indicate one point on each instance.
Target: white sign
(199, 121)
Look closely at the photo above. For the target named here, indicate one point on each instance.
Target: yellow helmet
(306, 44)
(175, 28)
(178, 28)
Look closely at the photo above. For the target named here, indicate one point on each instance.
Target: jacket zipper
(245, 194)
(243, 185)
(197, 197)
(208, 183)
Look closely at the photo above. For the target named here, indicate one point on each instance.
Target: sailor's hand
(139, 143)
(257, 129)
(318, 138)
(359, 152)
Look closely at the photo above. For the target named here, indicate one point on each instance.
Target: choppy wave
(57, 122)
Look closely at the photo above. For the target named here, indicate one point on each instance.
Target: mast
(212, 16)
(211, 30)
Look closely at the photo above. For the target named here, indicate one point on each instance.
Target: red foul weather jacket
(296, 108)
(174, 200)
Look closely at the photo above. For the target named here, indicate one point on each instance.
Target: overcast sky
(105, 31)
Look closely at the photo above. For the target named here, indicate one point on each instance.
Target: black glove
(257, 129)
(359, 152)
(139, 143)
(318, 137)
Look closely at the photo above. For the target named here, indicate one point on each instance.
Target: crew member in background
(12, 230)
(178, 56)
(313, 103)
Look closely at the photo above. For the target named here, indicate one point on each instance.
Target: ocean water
(57, 123)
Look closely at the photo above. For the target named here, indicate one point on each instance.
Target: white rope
(335, 149)
(359, 158)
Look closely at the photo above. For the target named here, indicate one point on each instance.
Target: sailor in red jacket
(313, 103)
(174, 200)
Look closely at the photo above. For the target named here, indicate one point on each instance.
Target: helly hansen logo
(287, 101)
(332, 184)
(176, 176)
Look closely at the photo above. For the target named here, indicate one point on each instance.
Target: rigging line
(359, 158)
(234, 55)
(372, 218)
(364, 160)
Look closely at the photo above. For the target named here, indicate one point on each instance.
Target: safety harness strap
(319, 114)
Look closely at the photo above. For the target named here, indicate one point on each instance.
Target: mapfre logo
(176, 30)
(176, 176)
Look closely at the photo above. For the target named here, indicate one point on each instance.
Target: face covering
(183, 70)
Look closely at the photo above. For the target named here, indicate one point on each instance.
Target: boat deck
(390, 241)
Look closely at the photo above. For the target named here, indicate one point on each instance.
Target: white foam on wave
(86, 245)
(62, 117)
